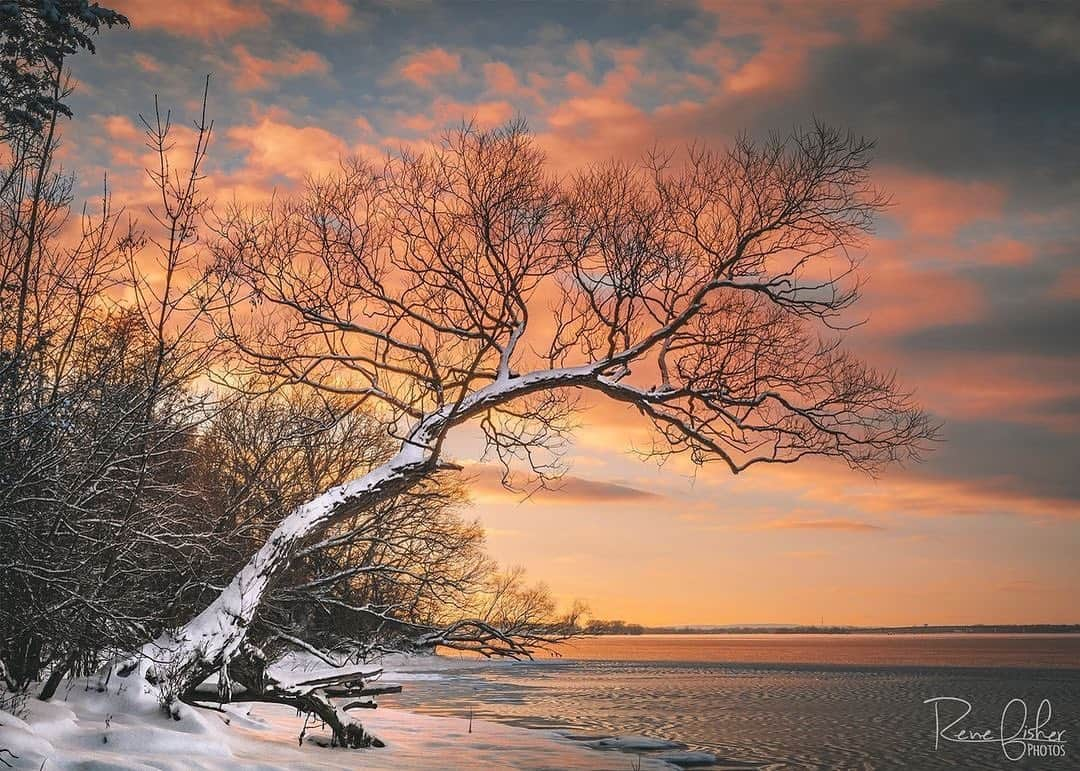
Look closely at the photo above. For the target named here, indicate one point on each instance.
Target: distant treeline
(597, 627)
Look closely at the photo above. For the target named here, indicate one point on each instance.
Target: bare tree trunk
(48, 690)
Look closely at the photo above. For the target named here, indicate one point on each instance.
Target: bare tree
(98, 406)
(466, 284)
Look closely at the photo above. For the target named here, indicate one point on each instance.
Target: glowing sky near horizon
(974, 271)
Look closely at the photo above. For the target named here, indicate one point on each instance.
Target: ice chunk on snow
(686, 758)
(634, 742)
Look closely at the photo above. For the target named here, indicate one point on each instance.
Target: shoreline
(632, 630)
(123, 729)
(264, 738)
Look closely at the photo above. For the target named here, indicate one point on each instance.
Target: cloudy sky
(974, 271)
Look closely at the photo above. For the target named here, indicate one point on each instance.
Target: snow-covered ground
(122, 727)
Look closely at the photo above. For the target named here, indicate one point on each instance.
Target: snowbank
(122, 728)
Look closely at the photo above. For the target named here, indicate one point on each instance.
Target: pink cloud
(593, 109)
(1003, 251)
(147, 63)
(979, 385)
(583, 55)
(900, 295)
(120, 128)
(332, 13)
(218, 19)
(275, 147)
(213, 20)
(253, 73)
(484, 114)
(124, 144)
(425, 67)
(500, 78)
(938, 207)
(444, 113)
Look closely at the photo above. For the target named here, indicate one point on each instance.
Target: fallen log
(374, 690)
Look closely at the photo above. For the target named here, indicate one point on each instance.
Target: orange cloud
(444, 113)
(902, 296)
(274, 148)
(586, 129)
(938, 207)
(219, 19)
(941, 497)
(147, 63)
(207, 21)
(823, 485)
(123, 142)
(425, 67)
(589, 110)
(120, 128)
(253, 73)
(1004, 251)
(915, 493)
(978, 385)
(332, 13)
(583, 55)
(484, 114)
(500, 78)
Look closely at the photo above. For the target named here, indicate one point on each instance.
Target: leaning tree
(467, 284)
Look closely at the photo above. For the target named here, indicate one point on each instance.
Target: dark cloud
(1025, 314)
(972, 90)
(1050, 328)
(568, 489)
(1066, 408)
(1029, 459)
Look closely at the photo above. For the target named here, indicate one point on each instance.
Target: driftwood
(361, 705)
(375, 690)
(343, 678)
(249, 680)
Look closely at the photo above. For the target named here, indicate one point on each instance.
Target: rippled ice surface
(712, 693)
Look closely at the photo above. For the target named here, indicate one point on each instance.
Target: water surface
(784, 701)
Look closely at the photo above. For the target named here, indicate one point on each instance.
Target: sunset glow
(973, 269)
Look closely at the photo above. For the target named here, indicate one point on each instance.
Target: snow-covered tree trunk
(183, 657)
